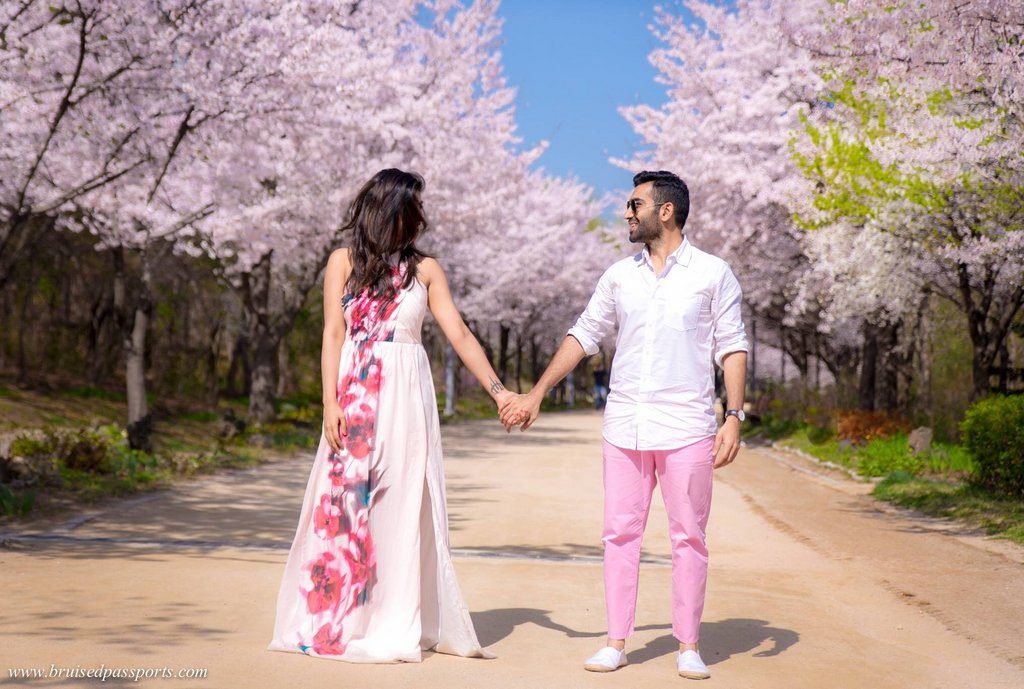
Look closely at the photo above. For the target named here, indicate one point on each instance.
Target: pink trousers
(685, 475)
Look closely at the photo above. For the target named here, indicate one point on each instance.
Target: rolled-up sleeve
(598, 319)
(728, 332)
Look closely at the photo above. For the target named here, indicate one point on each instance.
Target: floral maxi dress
(369, 576)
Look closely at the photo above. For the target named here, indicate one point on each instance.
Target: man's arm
(568, 356)
(583, 339)
(727, 441)
(729, 350)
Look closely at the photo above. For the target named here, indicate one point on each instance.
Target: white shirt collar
(681, 255)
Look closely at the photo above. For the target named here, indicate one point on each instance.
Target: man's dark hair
(668, 188)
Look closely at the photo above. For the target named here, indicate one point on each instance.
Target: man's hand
(524, 409)
(504, 400)
(727, 442)
(334, 426)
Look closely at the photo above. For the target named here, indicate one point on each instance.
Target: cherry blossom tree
(851, 160)
(925, 142)
(93, 140)
(738, 88)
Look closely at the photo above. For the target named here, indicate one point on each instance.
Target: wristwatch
(738, 413)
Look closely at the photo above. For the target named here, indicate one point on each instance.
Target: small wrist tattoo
(496, 386)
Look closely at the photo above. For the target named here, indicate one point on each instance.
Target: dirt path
(812, 584)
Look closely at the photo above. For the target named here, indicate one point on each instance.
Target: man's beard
(645, 231)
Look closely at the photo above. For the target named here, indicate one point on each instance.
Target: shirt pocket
(683, 313)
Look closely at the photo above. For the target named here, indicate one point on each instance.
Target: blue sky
(574, 62)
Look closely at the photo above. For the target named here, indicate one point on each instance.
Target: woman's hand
(334, 426)
(505, 399)
(523, 409)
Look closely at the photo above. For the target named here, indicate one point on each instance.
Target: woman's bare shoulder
(340, 262)
(342, 256)
(427, 269)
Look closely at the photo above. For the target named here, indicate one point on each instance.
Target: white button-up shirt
(671, 327)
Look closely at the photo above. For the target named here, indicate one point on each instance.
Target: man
(678, 308)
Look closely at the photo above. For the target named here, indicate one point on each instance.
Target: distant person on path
(369, 576)
(600, 385)
(678, 310)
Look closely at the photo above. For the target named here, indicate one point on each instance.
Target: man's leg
(686, 480)
(629, 479)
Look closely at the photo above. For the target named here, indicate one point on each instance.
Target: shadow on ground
(719, 640)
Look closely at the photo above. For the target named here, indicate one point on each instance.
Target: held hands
(727, 442)
(335, 426)
(521, 409)
(504, 399)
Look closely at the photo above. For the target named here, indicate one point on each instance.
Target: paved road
(812, 583)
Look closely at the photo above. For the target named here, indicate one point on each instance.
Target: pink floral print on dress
(340, 575)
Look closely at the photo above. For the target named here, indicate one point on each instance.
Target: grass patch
(773, 428)
(934, 482)
(881, 456)
(996, 515)
(827, 449)
(57, 420)
(201, 416)
(89, 392)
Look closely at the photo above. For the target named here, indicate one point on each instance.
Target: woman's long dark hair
(385, 217)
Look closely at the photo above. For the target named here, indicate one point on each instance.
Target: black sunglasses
(631, 204)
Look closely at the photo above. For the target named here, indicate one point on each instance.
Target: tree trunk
(989, 320)
(503, 352)
(26, 297)
(535, 367)
(485, 342)
(782, 355)
(887, 393)
(570, 389)
(753, 355)
(284, 371)
(99, 315)
(239, 365)
(134, 323)
(519, 364)
(5, 326)
(264, 374)
(1004, 367)
(451, 364)
(817, 367)
(212, 352)
(868, 366)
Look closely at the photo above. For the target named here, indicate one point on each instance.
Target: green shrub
(819, 435)
(944, 458)
(103, 450)
(89, 392)
(204, 416)
(884, 456)
(774, 427)
(31, 446)
(993, 432)
(12, 503)
(82, 450)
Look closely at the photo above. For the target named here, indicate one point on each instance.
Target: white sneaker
(606, 660)
(691, 666)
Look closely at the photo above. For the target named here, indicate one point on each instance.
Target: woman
(369, 577)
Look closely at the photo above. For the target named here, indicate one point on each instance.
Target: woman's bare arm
(338, 269)
(466, 345)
